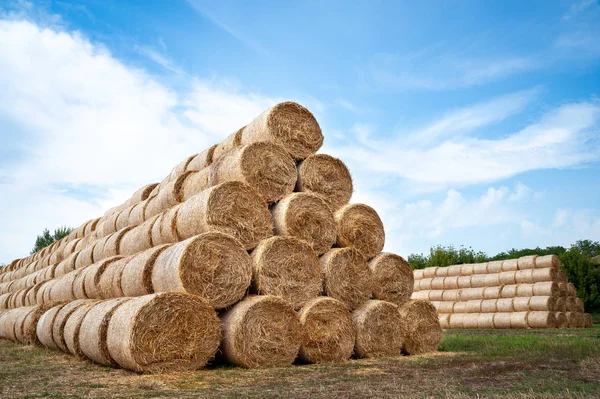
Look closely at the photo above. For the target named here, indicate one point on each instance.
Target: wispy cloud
(578, 7)
(160, 58)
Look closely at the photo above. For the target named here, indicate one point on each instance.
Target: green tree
(46, 238)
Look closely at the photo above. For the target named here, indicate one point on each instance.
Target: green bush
(46, 238)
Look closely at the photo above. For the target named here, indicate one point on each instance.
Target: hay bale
(524, 290)
(136, 278)
(60, 320)
(347, 276)
(430, 272)
(359, 226)
(451, 295)
(261, 331)
(201, 160)
(164, 227)
(561, 320)
(435, 295)
(571, 319)
(571, 304)
(437, 283)
(451, 282)
(485, 320)
(168, 196)
(45, 325)
(265, 166)
(541, 320)
(112, 246)
(67, 265)
(571, 290)
(379, 329)
(86, 256)
(547, 261)
(194, 183)
(420, 327)
(466, 269)
(97, 252)
(492, 292)
(548, 288)
(137, 239)
(502, 320)
(509, 291)
(393, 278)
(474, 306)
(527, 262)
(456, 320)
(12, 321)
(289, 268)
(417, 295)
(510, 265)
(424, 284)
(491, 280)
(109, 285)
(142, 193)
(524, 276)
(542, 303)
(232, 208)
(329, 333)
(214, 266)
(563, 290)
(464, 281)
(480, 268)
(489, 306)
(228, 144)
(507, 278)
(418, 274)
(327, 177)
(518, 320)
(445, 307)
(444, 320)
(472, 293)
(109, 225)
(62, 290)
(288, 124)
(545, 274)
(137, 214)
(454, 270)
(470, 320)
(561, 276)
(29, 323)
(561, 304)
(78, 286)
(307, 217)
(166, 332)
(123, 219)
(91, 277)
(494, 266)
(505, 305)
(579, 307)
(93, 331)
(521, 304)
(441, 272)
(587, 318)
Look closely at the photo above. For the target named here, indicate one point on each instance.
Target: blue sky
(470, 123)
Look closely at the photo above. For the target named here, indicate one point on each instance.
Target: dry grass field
(471, 363)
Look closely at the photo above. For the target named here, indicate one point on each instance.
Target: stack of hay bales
(257, 228)
(529, 292)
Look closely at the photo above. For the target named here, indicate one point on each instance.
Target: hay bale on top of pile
(165, 332)
(329, 333)
(286, 267)
(307, 217)
(261, 331)
(45, 326)
(232, 208)
(58, 325)
(378, 329)
(392, 278)
(527, 262)
(214, 266)
(201, 160)
(420, 327)
(229, 143)
(136, 278)
(346, 276)
(93, 330)
(547, 261)
(288, 124)
(327, 177)
(543, 319)
(265, 166)
(359, 226)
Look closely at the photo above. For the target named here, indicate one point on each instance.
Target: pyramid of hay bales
(250, 247)
(529, 292)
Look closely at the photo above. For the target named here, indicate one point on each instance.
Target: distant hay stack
(378, 329)
(214, 266)
(286, 267)
(359, 226)
(393, 278)
(307, 217)
(346, 276)
(327, 177)
(288, 124)
(265, 166)
(261, 331)
(329, 333)
(232, 208)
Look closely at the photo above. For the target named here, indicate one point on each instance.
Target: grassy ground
(471, 363)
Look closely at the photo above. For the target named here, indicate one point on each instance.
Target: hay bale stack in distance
(327, 177)
(232, 208)
(378, 327)
(261, 331)
(136, 278)
(346, 276)
(165, 332)
(265, 166)
(214, 266)
(286, 267)
(329, 333)
(288, 124)
(359, 226)
(420, 327)
(307, 217)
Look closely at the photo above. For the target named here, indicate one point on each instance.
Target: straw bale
(547, 261)
(45, 325)
(430, 272)
(505, 305)
(379, 329)
(136, 278)
(109, 285)
(518, 320)
(466, 269)
(347, 276)
(138, 213)
(137, 239)
(441, 272)
(420, 327)
(548, 288)
(464, 281)
(502, 320)
(451, 282)
(456, 320)
(91, 277)
(437, 283)
(444, 320)
(542, 303)
(521, 304)
(561, 320)
(546, 274)
(485, 320)
(561, 304)
(527, 262)
(474, 306)
(471, 293)
(454, 270)
(489, 306)
(451, 295)
(495, 266)
(326, 176)
(507, 278)
(58, 325)
(541, 320)
(202, 160)
(524, 276)
(393, 278)
(359, 226)
(470, 320)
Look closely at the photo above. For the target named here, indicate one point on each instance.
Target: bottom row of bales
(176, 332)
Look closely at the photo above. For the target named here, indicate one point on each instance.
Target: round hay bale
(435, 295)
(524, 290)
(524, 276)
(571, 304)
(62, 290)
(527, 262)
(454, 270)
(415, 295)
(494, 266)
(123, 219)
(489, 306)
(480, 268)
(265, 166)
(474, 306)
(430, 272)
(424, 284)
(347, 276)
(58, 325)
(167, 332)
(307, 217)
(86, 256)
(29, 323)
(485, 320)
(518, 320)
(214, 266)
(379, 329)
(137, 239)
(571, 319)
(545, 274)
(289, 268)
(46, 298)
(112, 246)
(13, 323)
(359, 226)
(326, 176)
(466, 269)
(441, 272)
(561, 276)
(418, 274)
(548, 288)
(228, 144)
(97, 253)
(509, 291)
(137, 214)
(451, 295)
(445, 307)
(69, 247)
(93, 273)
(542, 303)
(93, 331)
(437, 283)
(168, 196)
(505, 305)
(562, 290)
(232, 208)
(164, 227)
(136, 278)
(471, 293)
(202, 160)
(288, 124)
(521, 304)
(444, 320)
(541, 320)
(109, 285)
(72, 326)
(547, 261)
(451, 282)
(464, 281)
(67, 265)
(492, 292)
(561, 320)
(194, 183)
(502, 320)
(420, 327)
(571, 290)
(470, 320)
(109, 225)
(579, 307)
(78, 286)
(393, 278)
(261, 331)
(587, 320)
(491, 280)
(510, 265)
(45, 325)
(329, 334)
(561, 304)
(456, 320)
(507, 278)
(142, 193)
